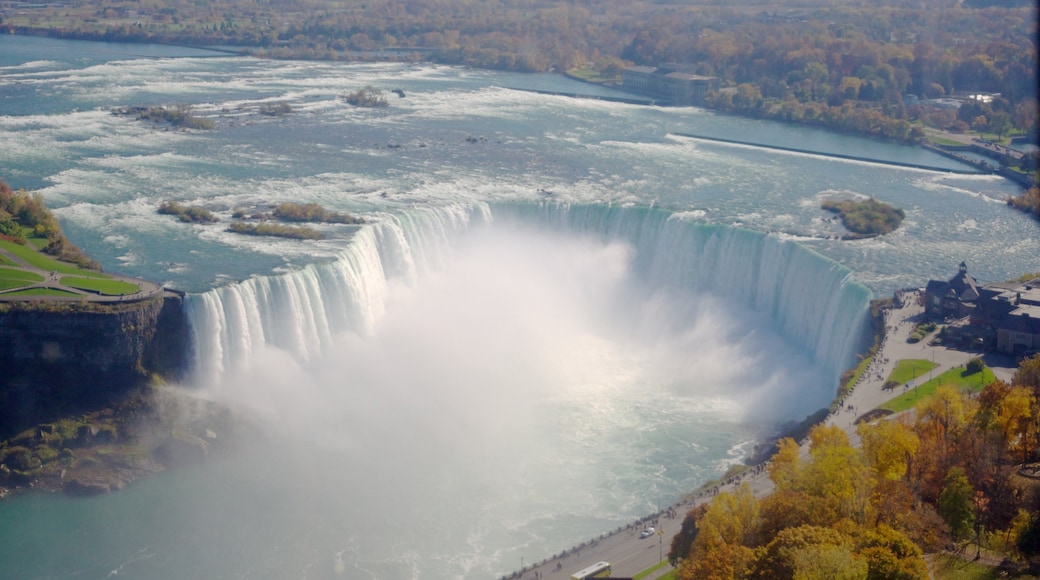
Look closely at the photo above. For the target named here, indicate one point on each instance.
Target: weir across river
(829, 154)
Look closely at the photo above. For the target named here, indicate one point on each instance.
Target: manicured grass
(909, 369)
(41, 292)
(943, 141)
(14, 278)
(956, 377)
(109, 287)
(589, 74)
(43, 262)
(650, 570)
(8, 284)
(16, 274)
(38, 242)
(5, 261)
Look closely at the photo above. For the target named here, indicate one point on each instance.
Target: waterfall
(811, 300)
(301, 311)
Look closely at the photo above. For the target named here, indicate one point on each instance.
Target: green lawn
(8, 284)
(5, 261)
(13, 278)
(108, 287)
(589, 74)
(38, 242)
(41, 292)
(47, 263)
(956, 377)
(651, 570)
(17, 274)
(909, 369)
(944, 141)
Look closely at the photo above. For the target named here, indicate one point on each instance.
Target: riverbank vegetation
(24, 218)
(866, 218)
(1028, 202)
(862, 67)
(958, 472)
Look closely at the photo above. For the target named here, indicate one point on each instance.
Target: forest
(952, 477)
(848, 65)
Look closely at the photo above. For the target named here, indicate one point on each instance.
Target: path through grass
(956, 377)
(38, 260)
(13, 278)
(909, 369)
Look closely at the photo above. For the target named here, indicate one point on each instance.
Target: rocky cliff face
(60, 360)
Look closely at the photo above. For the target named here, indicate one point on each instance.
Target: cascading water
(811, 300)
(301, 311)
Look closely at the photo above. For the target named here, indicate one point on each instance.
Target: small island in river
(865, 219)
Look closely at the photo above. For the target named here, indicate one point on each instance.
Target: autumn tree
(721, 550)
(683, 541)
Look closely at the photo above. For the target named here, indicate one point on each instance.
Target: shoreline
(622, 547)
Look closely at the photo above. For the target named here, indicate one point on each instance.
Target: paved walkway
(629, 555)
(52, 280)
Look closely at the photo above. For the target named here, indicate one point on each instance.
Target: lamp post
(660, 547)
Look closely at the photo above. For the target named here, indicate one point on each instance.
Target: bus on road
(597, 570)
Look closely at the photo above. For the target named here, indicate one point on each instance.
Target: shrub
(975, 365)
(188, 214)
(45, 453)
(275, 230)
(18, 458)
(312, 212)
(367, 97)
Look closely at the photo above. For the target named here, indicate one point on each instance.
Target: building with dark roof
(1002, 316)
(674, 84)
(954, 298)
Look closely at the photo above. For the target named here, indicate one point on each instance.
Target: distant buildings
(675, 84)
(1004, 316)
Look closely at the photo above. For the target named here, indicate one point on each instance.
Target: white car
(646, 533)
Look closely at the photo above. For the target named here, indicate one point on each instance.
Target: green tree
(956, 503)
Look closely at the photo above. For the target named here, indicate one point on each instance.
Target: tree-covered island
(866, 218)
(260, 223)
